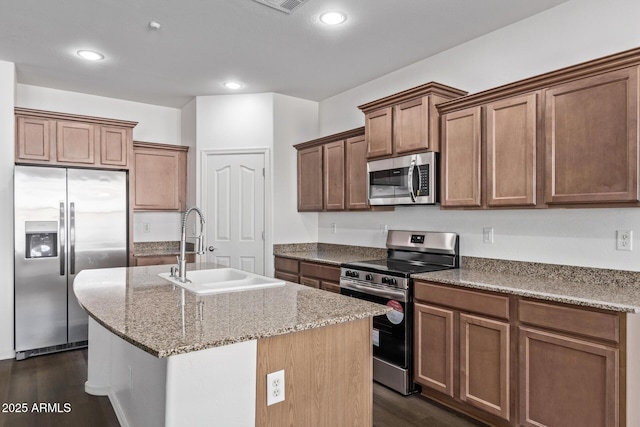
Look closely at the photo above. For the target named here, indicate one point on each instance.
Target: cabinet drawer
(330, 286)
(286, 264)
(462, 299)
(286, 276)
(307, 281)
(573, 320)
(321, 271)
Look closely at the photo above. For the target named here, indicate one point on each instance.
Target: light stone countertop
(327, 253)
(615, 290)
(619, 298)
(165, 320)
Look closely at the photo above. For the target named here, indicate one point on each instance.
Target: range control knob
(385, 280)
(368, 277)
(351, 273)
(393, 282)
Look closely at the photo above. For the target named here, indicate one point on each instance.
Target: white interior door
(235, 206)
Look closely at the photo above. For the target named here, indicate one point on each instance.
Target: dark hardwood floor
(59, 379)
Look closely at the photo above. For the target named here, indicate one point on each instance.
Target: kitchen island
(166, 356)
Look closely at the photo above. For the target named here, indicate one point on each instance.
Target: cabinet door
(33, 139)
(114, 143)
(379, 133)
(308, 281)
(289, 277)
(566, 382)
(461, 158)
(334, 175)
(310, 179)
(410, 125)
(591, 139)
(485, 364)
(357, 193)
(75, 142)
(511, 151)
(330, 286)
(433, 343)
(157, 180)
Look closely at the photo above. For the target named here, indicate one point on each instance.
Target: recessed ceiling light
(90, 55)
(333, 18)
(232, 85)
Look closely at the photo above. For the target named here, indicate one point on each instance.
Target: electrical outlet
(146, 227)
(275, 387)
(334, 228)
(384, 228)
(624, 240)
(487, 235)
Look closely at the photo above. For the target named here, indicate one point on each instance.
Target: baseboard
(95, 390)
(8, 355)
(122, 419)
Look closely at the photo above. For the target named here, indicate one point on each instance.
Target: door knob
(211, 248)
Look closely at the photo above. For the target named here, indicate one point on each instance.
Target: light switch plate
(487, 235)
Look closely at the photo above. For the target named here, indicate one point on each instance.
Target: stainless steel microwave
(406, 180)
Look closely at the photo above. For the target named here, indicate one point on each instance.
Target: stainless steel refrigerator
(66, 220)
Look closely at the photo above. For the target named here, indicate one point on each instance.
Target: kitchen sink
(222, 280)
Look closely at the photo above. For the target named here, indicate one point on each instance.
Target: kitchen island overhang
(166, 356)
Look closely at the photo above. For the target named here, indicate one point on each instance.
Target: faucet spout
(182, 261)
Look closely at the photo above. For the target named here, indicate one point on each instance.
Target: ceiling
(203, 43)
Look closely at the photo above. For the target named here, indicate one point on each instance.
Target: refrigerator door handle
(72, 238)
(62, 233)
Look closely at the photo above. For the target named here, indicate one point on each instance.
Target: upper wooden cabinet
(44, 137)
(310, 179)
(461, 158)
(159, 177)
(406, 122)
(569, 137)
(489, 154)
(591, 139)
(332, 173)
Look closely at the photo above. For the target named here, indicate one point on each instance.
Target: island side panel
(214, 386)
(328, 377)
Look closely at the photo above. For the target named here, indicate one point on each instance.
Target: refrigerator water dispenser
(41, 239)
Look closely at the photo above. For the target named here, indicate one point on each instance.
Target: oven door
(392, 331)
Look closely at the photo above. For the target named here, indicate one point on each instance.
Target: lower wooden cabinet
(485, 364)
(313, 274)
(476, 348)
(512, 361)
(566, 381)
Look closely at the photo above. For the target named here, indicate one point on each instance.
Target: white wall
(271, 121)
(155, 124)
(295, 121)
(570, 33)
(7, 138)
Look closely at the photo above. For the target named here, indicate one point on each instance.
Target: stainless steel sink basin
(221, 280)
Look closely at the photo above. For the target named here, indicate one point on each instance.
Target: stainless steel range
(387, 281)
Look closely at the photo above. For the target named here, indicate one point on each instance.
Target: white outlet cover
(487, 235)
(275, 387)
(624, 240)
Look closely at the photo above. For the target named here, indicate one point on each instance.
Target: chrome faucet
(182, 261)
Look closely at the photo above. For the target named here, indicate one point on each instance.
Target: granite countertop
(327, 253)
(141, 249)
(613, 290)
(165, 320)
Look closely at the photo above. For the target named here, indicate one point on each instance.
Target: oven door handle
(398, 295)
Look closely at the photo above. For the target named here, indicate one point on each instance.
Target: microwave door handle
(410, 180)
